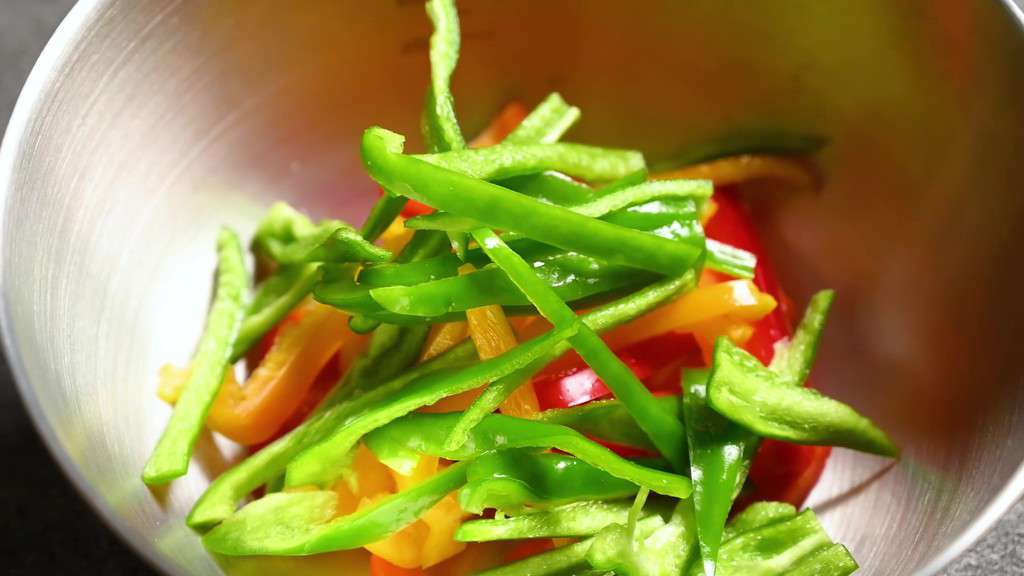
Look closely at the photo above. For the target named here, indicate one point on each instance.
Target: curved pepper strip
(665, 432)
(173, 451)
(550, 188)
(744, 391)
(601, 319)
(793, 171)
(319, 464)
(440, 126)
(302, 523)
(221, 498)
(400, 444)
(504, 209)
(509, 480)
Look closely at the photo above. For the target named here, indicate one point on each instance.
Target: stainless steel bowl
(149, 123)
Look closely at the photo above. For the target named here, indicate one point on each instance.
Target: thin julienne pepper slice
(600, 319)
(275, 298)
(440, 125)
(793, 171)
(493, 336)
(403, 441)
(566, 521)
(171, 456)
(224, 493)
(665, 432)
(507, 160)
(546, 124)
(319, 463)
(504, 209)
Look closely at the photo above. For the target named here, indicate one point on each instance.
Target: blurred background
(54, 530)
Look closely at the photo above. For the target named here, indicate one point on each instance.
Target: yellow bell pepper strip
(395, 237)
(252, 413)
(319, 464)
(665, 432)
(759, 142)
(302, 523)
(173, 451)
(493, 336)
(547, 123)
(573, 520)
(600, 319)
(608, 420)
(737, 300)
(275, 298)
(749, 394)
(511, 480)
(747, 167)
(400, 444)
(504, 209)
(443, 337)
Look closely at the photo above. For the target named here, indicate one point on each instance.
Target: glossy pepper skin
(745, 392)
(322, 463)
(173, 451)
(400, 443)
(509, 480)
(665, 432)
(608, 420)
(504, 209)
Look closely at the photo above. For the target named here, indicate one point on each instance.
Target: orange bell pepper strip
(747, 167)
(253, 413)
(501, 125)
(443, 337)
(396, 236)
(493, 336)
(738, 300)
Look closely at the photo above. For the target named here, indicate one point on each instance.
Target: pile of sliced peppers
(529, 343)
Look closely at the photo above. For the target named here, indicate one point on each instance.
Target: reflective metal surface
(147, 124)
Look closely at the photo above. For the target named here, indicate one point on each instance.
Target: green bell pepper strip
(601, 319)
(550, 187)
(173, 451)
(303, 523)
(402, 441)
(323, 462)
(507, 160)
(440, 125)
(721, 451)
(730, 260)
(275, 298)
(762, 141)
(757, 515)
(720, 457)
(665, 432)
(568, 521)
(608, 420)
(509, 480)
(794, 359)
(666, 551)
(428, 270)
(224, 493)
(570, 560)
(834, 560)
(747, 393)
(383, 213)
(546, 123)
(332, 241)
(504, 209)
(780, 548)
(281, 226)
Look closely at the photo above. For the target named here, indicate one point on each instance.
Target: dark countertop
(55, 532)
